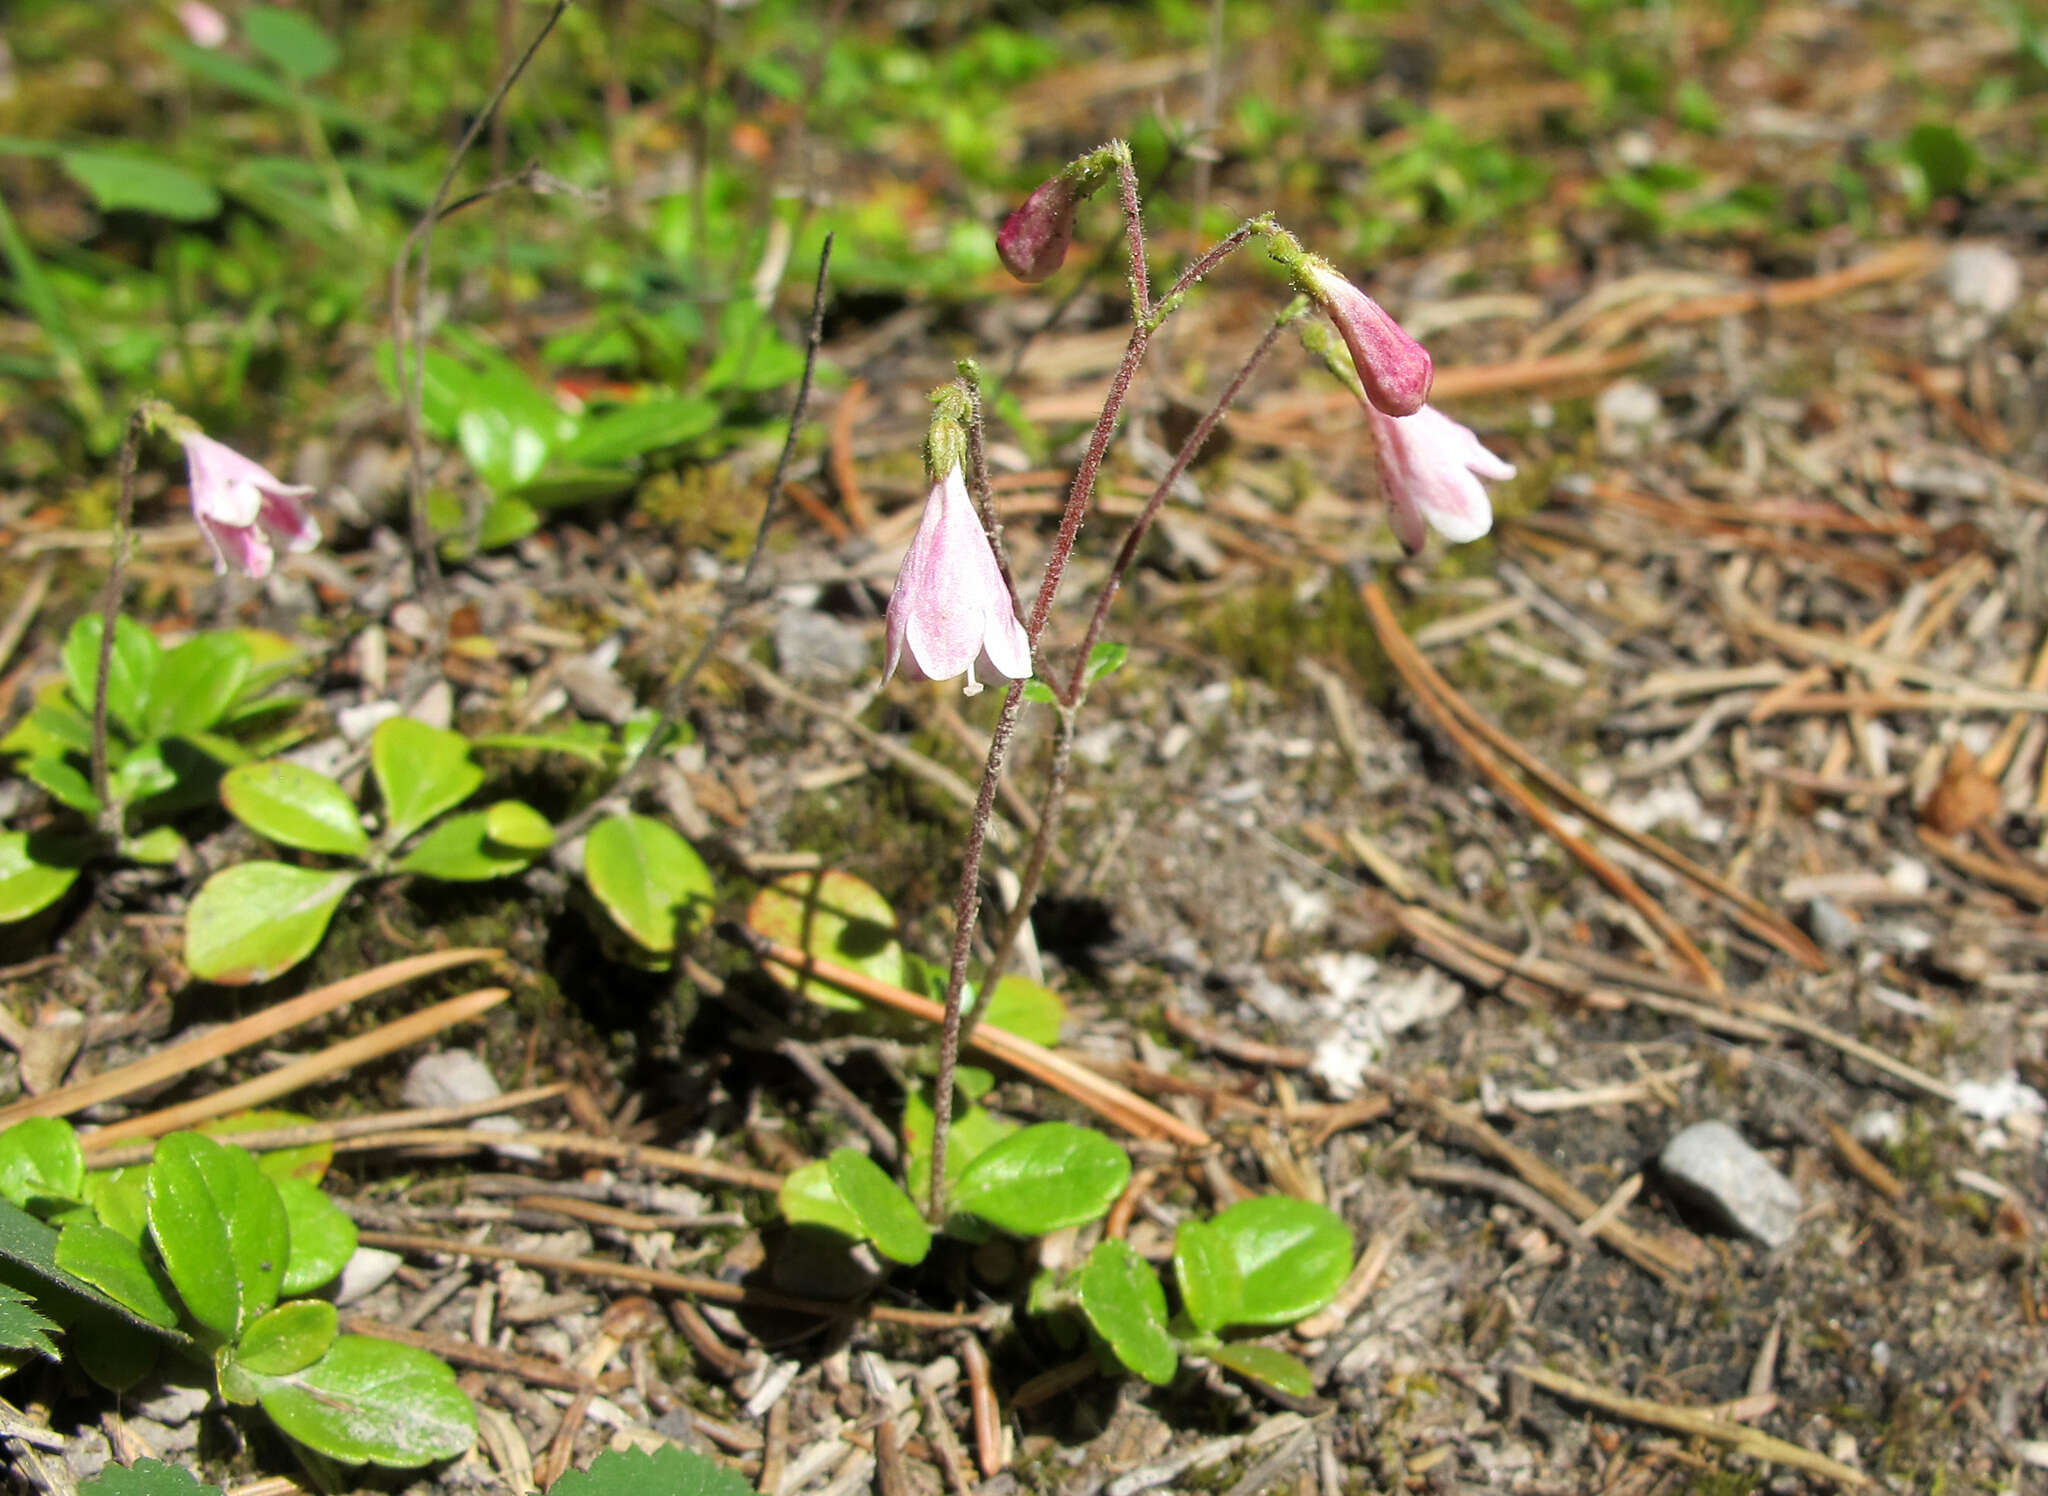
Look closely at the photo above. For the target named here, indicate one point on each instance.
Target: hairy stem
(110, 817)
(1034, 864)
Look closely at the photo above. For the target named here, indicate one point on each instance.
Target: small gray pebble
(1710, 1164)
(814, 647)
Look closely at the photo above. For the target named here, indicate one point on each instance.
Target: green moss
(1263, 632)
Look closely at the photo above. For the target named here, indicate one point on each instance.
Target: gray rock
(816, 647)
(453, 1077)
(175, 1404)
(86, 1453)
(1627, 415)
(1982, 278)
(368, 1270)
(1831, 927)
(1710, 1164)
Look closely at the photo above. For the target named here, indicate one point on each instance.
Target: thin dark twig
(742, 592)
(413, 375)
(110, 612)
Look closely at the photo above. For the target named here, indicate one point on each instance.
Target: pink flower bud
(243, 510)
(204, 25)
(1394, 368)
(1430, 466)
(1033, 240)
(951, 611)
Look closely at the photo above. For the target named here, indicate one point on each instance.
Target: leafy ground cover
(1429, 899)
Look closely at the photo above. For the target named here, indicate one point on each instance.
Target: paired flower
(1395, 369)
(1430, 466)
(244, 511)
(951, 610)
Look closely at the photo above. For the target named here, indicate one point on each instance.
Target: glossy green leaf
(886, 1216)
(652, 882)
(63, 782)
(973, 1132)
(809, 1198)
(309, 1163)
(322, 1238)
(292, 40)
(40, 1160)
(196, 683)
(221, 1229)
(1211, 1286)
(119, 1197)
(124, 182)
(461, 850)
(623, 432)
(52, 729)
(518, 827)
(289, 1338)
(835, 917)
(160, 846)
(31, 1246)
(294, 806)
(1106, 658)
(254, 920)
(29, 880)
(670, 1470)
(1292, 1256)
(114, 1264)
(131, 670)
(1043, 1177)
(1266, 1365)
(1122, 1298)
(421, 771)
(146, 1478)
(374, 1402)
(1030, 1011)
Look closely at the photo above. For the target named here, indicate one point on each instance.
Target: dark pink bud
(1395, 369)
(1033, 240)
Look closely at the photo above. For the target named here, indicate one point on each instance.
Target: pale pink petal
(1430, 466)
(950, 609)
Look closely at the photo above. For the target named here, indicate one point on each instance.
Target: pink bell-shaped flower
(1395, 369)
(204, 26)
(1033, 241)
(950, 611)
(244, 511)
(1430, 466)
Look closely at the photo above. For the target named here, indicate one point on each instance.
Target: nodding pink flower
(244, 511)
(1395, 369)
(951, 610)
(1430, 466)
(204, 25)
(1033, 240)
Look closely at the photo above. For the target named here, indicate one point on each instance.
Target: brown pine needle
(166, 1064)
(1433, 694)
(1742, 1440)
(336, 1059)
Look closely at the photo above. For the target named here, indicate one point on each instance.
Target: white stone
(1982, 278)
(368, 1270)
(451, 1077)
(1710, 1164)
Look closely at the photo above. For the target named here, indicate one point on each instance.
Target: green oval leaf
(1211, 1287)
(518, 827)
(66, 785)
(886, 1216)
(973, 1132)
(1292, 1257)
(131, 670)
(462, 850)
(808, 1198)
(651, 881)
(372, 1402)
(293, 41)
(40, 1160)
(835, 917)
(120, 182)
(196, 683)
(289, 1338)
(119, 1198)
(1122, 1298)
(1030, 1011)
(321, 1238)
(1042, 1178)
(220, 1228)
(1266, 1365)
(309, 1163)
(256, 919)
(114, 1265)
(421, 771)
(294, 806)
(35, 871)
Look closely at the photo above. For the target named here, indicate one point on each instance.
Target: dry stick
(704, 1288)
(110, 611)
(629, 1155)
(1750, 913)
(742, 591)
(1741, 1439)
(25, 608)
(1127, 1110)
(1618, 882)
(192, 1053)
(413, 373)
(336, 1059)
(312, 1134)
(535, 1369)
